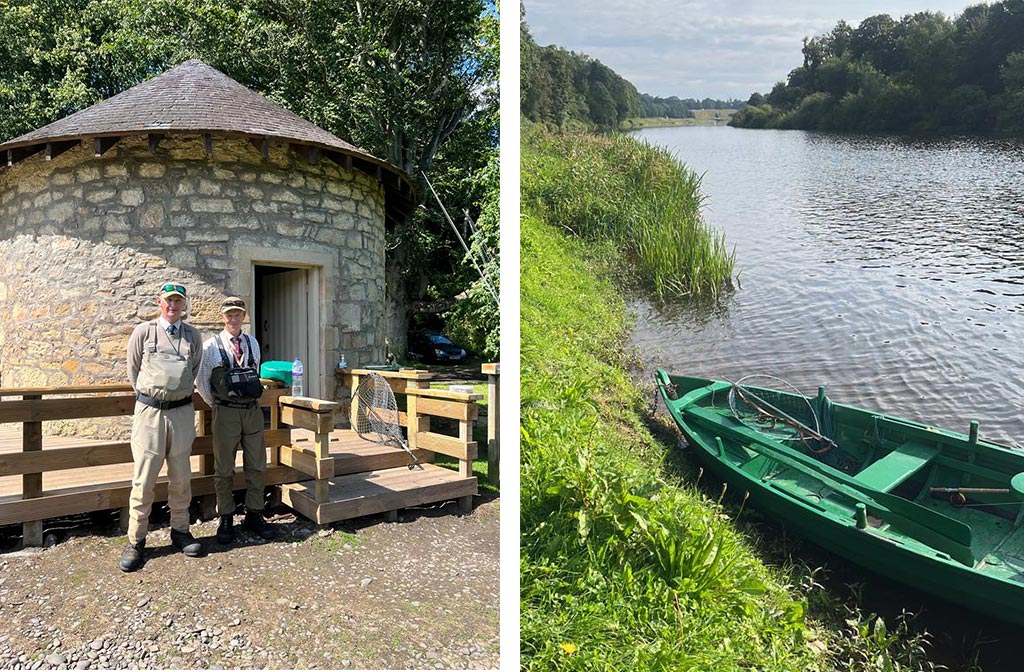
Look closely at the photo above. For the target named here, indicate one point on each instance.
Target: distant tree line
(922, 73)
(676, 108)
(564, 89)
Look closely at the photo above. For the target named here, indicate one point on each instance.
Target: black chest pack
(243, 381)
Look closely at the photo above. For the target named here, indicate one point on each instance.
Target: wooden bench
(896, 467)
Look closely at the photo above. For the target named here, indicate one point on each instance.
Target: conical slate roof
(192, 98)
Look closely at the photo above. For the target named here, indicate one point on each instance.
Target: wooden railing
(32, 409)
(422, 404)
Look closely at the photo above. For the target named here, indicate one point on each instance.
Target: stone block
(209, 187)
(132, 197)
(87, 173)
(207, 236)
(151, 216)
(212, 205)
(152, 171)
(113, 347)
(100, 195)
(60, 212)
(285, 196)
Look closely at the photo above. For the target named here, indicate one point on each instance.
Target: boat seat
(899, 465)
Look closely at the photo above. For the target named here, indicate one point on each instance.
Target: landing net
(377, 414)
(776, 409)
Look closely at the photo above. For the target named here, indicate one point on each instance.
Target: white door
(287, 323)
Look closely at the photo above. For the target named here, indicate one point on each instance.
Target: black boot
(226, 530)
(132, 556)
(186, 543)
(253, 522)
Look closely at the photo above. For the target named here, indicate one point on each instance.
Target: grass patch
(620, 569)
(335, 542)
(625, 192)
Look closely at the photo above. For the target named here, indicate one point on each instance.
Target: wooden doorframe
(319, 309)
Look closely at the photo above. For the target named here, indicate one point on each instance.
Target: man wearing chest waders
(163, 359)
(230, 383)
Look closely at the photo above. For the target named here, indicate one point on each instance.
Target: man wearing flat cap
(163, 359)
(229, 382)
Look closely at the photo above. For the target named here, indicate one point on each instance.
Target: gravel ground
(421, 593)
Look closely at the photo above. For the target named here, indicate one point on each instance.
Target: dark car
(431, 347)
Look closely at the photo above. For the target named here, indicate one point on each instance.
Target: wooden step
(363, 494)
(353, 455)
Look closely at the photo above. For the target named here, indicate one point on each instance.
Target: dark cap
(232, 303)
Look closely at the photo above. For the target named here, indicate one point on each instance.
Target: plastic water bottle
(342, 364)
(297, 388)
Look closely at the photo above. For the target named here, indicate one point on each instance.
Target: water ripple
(890, 268)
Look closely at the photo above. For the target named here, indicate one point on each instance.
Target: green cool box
(277, 371)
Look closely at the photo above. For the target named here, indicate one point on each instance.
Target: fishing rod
(958, 496)
(472, 257)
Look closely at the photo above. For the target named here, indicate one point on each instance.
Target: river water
(890, 270)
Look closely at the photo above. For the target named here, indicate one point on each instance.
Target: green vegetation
(696, 118)
(564, 90)
(567, 90)
(635, 197)
(674, 107)
(619, 569)
(923, 73)
(413, 82)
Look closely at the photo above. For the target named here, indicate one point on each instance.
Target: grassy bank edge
(621, 568)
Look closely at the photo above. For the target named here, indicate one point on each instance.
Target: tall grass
(618, 189)
(619, 568)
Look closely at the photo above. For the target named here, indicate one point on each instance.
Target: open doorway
(285, 318)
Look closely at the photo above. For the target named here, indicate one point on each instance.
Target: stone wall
(85, 242)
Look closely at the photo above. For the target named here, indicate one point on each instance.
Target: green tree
(411, 81)
(1010, 104)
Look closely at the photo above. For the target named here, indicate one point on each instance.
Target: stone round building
(189, 177)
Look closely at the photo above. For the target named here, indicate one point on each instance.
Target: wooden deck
(323, 473)
(369, 478)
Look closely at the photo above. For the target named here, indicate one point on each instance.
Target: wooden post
(323, 450)
(466, 466)
(354, 409)
(207, 503)
(466, 436)
(32, 484)
(493, 394)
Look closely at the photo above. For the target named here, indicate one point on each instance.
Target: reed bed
(639, 197)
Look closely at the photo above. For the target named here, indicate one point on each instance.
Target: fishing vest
(235, 386)
(165, 376)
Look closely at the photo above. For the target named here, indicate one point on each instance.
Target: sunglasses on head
(173, 288)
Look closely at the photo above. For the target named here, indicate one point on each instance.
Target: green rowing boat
(934, 509)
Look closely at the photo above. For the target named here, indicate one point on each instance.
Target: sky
(702, 48)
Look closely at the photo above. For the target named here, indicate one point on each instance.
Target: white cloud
(697, 49)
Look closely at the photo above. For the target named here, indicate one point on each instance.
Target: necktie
(236, 348)
(171, 329)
